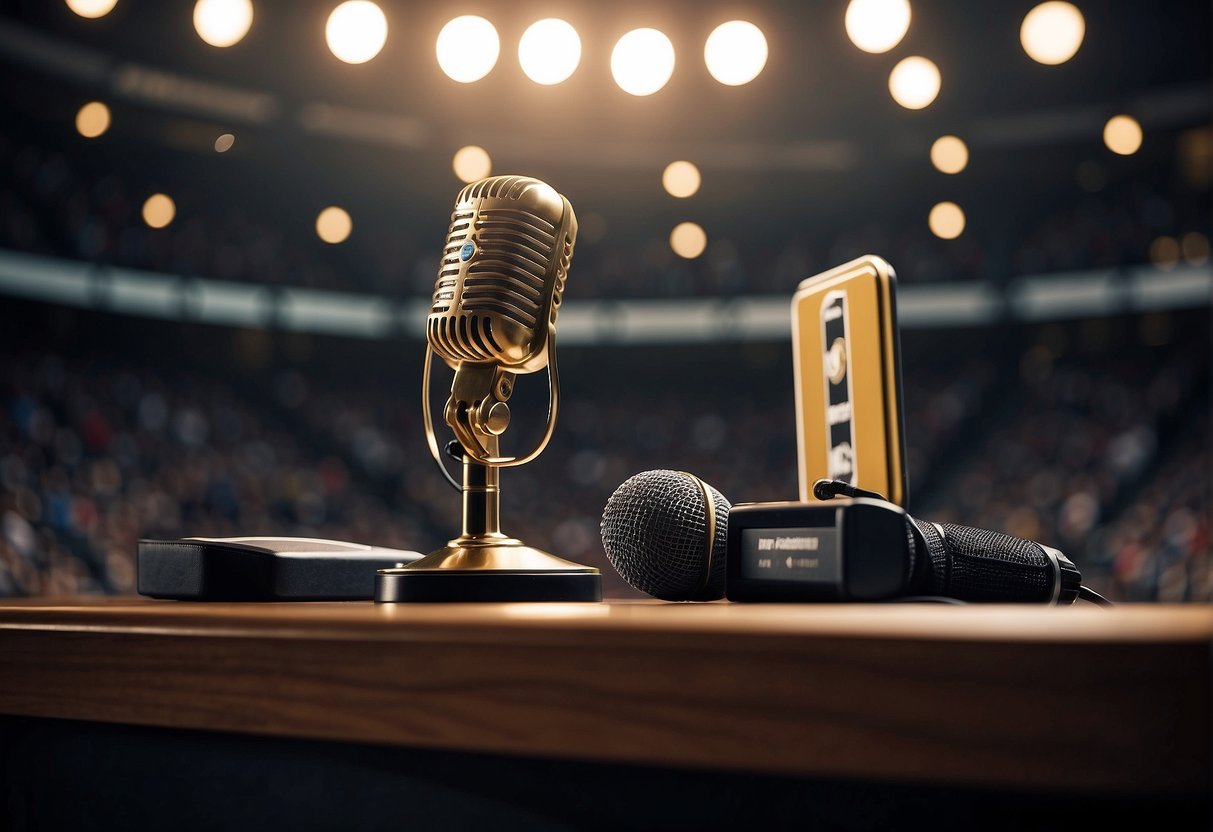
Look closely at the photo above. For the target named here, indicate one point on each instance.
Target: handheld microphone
(845, 549)
(665, 532)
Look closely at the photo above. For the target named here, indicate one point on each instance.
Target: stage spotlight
(92, 8)
(1195, 248)
(946, 220)
(680, 179)
(92, 119)
(223, 22)
(159, 210)
(472, 163)
(467, 48)
(1122, 135)
(1164, 252)
(1052, 32)
(642, 61)
(877, 25)
(688, 240)
(949, 154)
(549, 51)
(356, 31)
(735, 52)
(224, 143)
(914, 82)
(333, 225)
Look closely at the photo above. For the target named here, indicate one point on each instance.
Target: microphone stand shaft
(481, 500)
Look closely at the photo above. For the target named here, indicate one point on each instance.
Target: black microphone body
(846, 549)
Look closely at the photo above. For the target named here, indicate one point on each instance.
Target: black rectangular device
(840, 550)
(263, 568)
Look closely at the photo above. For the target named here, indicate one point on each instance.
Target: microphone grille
(655, 534)
(503, 271)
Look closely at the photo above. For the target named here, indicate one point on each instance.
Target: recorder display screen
(800, 555)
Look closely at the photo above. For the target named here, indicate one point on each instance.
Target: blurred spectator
(1064, 449)
(53, 204)
(94, 457)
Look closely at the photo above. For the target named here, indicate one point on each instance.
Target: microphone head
(666, 533)
(502, 275)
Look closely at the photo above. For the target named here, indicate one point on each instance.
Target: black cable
(1088, 594)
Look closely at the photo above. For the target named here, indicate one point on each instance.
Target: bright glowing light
(642, 61)
(224, 143)
(333, 225)
(549, 51)
(877, 25)
(1164, 252)
(1052, 32)
(356, 31)
(914, 82)
(946, 220)
(468, 47)
(472, 163)
(1122, 134)
(92, 119)
(159, 210)
(92, 8)
(680, 179)
(688, 240)
(949, 154)
(735, 52)
(1196, 248)
(223, 22)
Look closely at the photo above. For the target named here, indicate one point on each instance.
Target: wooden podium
(1102, 706)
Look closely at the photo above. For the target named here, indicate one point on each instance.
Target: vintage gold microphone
(493, 317)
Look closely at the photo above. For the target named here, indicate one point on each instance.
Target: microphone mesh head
(655, 533)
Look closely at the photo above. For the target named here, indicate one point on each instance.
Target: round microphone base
(490, 567)
(393, 586)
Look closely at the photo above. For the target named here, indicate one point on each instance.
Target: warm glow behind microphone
(467, 48)
(93, 119)
(223, 23)
(1052, 32)
(735, 52)
(471, 163)
(642, 61)
(914, 82)
(949, 154)
(877, 25)
(92, 8)
(549, 51)
(356, 31)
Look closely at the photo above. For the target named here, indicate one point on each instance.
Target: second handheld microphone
(675, 537)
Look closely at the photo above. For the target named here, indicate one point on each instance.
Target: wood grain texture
(1085, 699)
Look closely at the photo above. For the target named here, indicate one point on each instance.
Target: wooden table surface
(1020, 697)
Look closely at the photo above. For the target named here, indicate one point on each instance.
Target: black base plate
(455, 585)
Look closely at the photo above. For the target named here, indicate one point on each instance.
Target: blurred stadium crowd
(1103, 452)
(51, 203)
